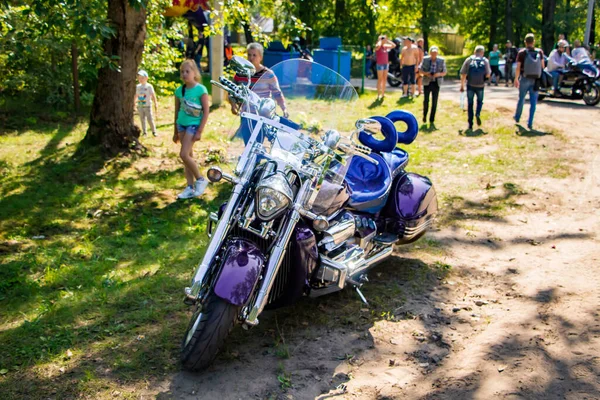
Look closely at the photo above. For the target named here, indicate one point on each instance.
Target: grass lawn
(94, 255)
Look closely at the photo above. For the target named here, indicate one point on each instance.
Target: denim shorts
(382, 67)
(190, 129)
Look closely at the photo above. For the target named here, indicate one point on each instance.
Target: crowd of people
(422, 73)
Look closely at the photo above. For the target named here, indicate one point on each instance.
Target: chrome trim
(370, 262)
(351, 267)
(275, 259)
(338, 233)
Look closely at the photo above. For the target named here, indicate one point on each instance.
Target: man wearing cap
(144, 93)
(557, 62)
(409, 58)
(432, 70)
(510, 56)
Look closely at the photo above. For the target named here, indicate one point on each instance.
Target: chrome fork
(191, 293)
(276, 257)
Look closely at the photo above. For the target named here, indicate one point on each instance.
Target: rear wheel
(208, 328)
(393, 82)
(592, 96)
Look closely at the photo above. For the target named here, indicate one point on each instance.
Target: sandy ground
(519, 317)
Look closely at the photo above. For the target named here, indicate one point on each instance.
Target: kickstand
(362, 297)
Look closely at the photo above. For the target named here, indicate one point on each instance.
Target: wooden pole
(216, 56)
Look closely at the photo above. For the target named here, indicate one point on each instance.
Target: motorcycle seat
(369, 184)
(396, 160)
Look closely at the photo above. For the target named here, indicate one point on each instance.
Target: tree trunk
(340, 14)
(111, 122)
(593, 28)
(508, 20)
(567, 19)
(75, 71)
(425, 24)
(248, 33)
(493, 22)
(548, 9)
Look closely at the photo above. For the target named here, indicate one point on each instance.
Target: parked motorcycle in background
(581, 81)
(316, 203)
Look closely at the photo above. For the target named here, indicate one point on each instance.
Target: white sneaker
(187, 193)
(199, 187)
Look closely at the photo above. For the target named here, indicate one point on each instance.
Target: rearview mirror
(241, 66)
(369, 126)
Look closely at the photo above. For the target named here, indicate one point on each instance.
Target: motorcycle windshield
(311, 99)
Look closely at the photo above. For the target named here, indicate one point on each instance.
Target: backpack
(477, 72)
(532, 67)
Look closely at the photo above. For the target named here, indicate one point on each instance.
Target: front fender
(241, 267)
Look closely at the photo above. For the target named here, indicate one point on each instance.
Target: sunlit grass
(94, 254)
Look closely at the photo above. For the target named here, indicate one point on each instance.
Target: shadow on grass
(428, 128)
(404, 100)
(472, 133)
(457, 209)
(376, 103)
(521, 131)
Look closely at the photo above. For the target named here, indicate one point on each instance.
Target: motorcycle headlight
(273, 197)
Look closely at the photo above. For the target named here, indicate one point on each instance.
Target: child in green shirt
(191, 115)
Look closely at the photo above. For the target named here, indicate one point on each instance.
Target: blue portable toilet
(330, 55)
(277, 53)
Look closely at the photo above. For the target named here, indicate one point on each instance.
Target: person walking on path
(432, 70)
(509, 58)
(409, 58)
(530, 64)
(475, 70)
(495, 65)
(422, 54)
(146, 98)
(382, 48)
(191, 115)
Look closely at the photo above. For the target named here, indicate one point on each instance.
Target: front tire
(592, 97)
(208, 328)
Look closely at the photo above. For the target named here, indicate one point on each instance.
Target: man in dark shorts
(409, 60)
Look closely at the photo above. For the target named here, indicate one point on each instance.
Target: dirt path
(519, 316)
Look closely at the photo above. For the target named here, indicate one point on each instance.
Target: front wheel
(592, 96)
(208, 328)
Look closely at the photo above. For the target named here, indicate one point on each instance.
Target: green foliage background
(37, 37)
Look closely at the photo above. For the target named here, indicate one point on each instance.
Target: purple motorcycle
(317, 201)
